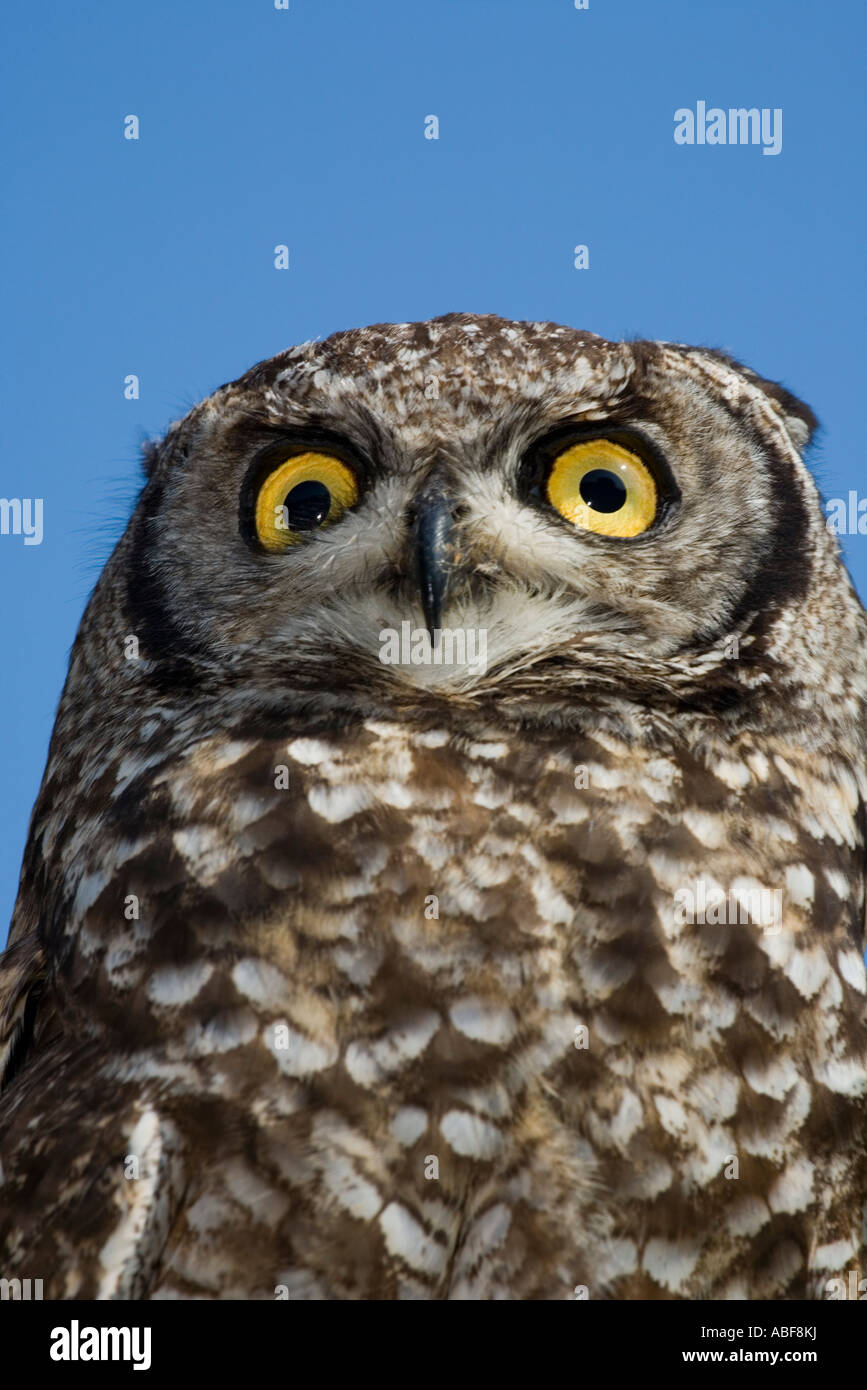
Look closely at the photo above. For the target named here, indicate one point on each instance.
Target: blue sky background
(306, 127)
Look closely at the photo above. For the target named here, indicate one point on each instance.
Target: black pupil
(602, 490)
(307, 506)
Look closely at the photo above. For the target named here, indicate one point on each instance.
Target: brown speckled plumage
(282, 1039)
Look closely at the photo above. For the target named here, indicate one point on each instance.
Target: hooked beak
(433, 535)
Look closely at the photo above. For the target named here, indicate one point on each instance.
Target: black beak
(433, 534)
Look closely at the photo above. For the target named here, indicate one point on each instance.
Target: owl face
(602, 511)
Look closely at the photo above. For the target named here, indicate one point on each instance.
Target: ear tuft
(799, 418)
(150, 452)
(155, 451)
(800, 429)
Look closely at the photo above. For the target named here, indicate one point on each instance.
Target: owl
(448, 877)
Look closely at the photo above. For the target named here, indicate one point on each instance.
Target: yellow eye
(603, 487)
(304, 493)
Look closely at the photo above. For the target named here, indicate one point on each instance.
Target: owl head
(598, 519)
